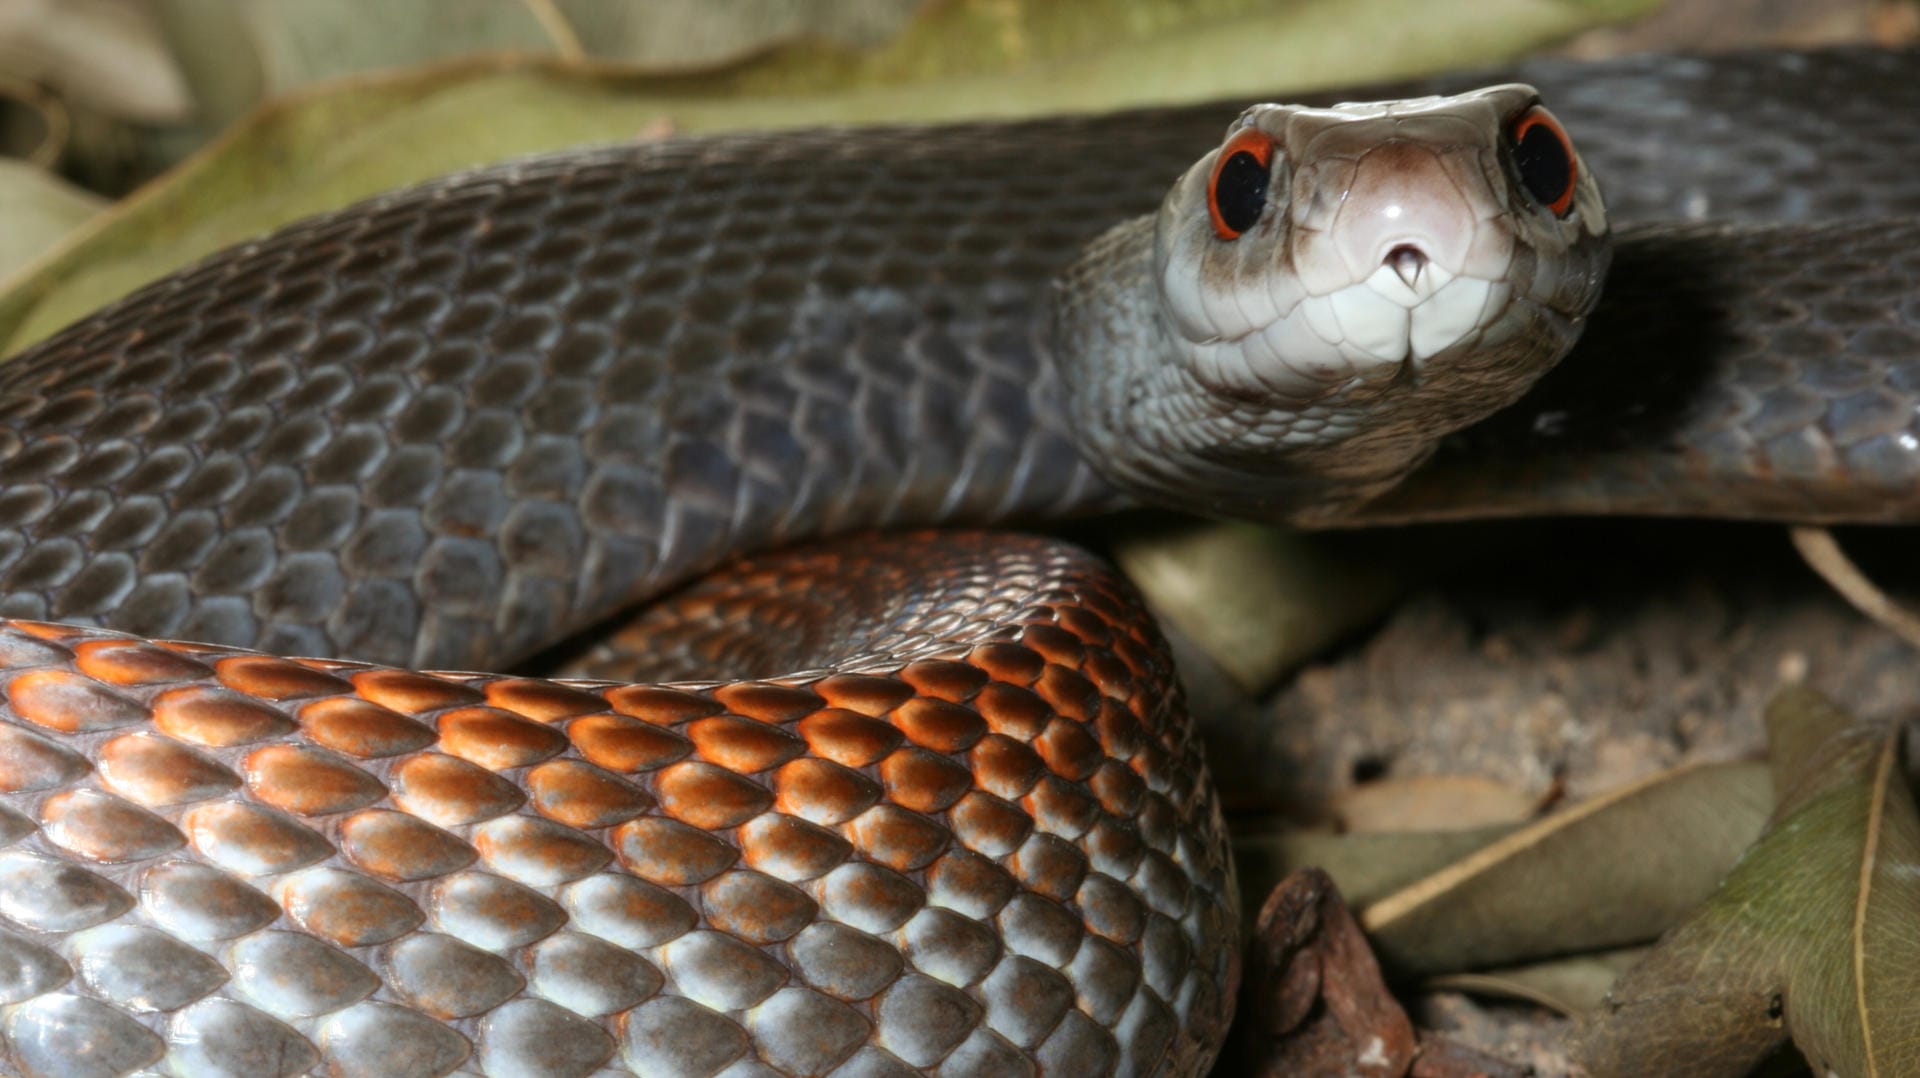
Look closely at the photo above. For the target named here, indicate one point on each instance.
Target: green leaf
(1257, 601)
(36, 211)
(1814, 935)
(1612, 871)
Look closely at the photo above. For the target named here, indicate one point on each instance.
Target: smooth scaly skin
(339, 441)
(567, 384)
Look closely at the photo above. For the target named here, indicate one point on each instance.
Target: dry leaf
(108, 55)
(1432, 803)
(1366, 867)
(1608, 872)
(1814, 935)
(1571, 986)
(1317, 1005)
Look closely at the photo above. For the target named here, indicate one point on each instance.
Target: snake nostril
(1407, 262)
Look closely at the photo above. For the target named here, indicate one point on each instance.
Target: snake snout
(1403, 210)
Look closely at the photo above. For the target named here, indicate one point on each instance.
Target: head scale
(1325, 295)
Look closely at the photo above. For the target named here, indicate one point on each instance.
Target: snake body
(962, 828)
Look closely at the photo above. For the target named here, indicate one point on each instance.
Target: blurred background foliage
(137, 135)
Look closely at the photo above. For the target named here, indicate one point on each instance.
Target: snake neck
(1148, 423)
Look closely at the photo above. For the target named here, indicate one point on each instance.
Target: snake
(896, 791)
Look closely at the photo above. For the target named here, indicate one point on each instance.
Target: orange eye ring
(1543, 156)
(1237, 190)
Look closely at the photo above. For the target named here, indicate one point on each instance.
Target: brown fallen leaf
(1317, 994)
(1318, 1005)
(1815, 935)
(1615, 870)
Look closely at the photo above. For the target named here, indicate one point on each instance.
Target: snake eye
(1543, 156)
(1237, 193)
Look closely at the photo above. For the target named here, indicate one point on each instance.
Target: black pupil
(1544, 166)
(1240, 191)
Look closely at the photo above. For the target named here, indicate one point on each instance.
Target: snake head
(1326, 294)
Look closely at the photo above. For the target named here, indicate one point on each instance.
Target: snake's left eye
(1237, 190)
(1543, 156)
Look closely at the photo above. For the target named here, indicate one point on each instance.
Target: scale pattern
(990, 849)
(455, 424)
(452, 425)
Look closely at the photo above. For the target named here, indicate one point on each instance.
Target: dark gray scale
(447, 426)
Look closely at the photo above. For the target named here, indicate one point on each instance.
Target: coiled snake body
(940, 810)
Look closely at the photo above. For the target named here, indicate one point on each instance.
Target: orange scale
(924, 781)
(1054, 644)
(756, 908)
(1069, 750)
(1068, 693)
(822, 791)
(1062, 808)
(663, 707)
(1005, 767)
(897, 838)
(1117, 787)
(581, 795)
(309, 782)
(363, 728)
(944, 679)
(158, 771)
(1008, 663)
(768, 703)
(1085, 624)
(624, 744)
(396, 846)
(539, 853)
(849, 737)
(498, 740)
(276, 679)
(52, 632)
(450, 791)
(743, 745)
(1016, 712)
(669, 852)
(989, 825)
(709, 797)
(791, 848)
(347, 908)
(542, 701)
(70, 703)
(863, 693)
(101, 827)
(125, 662)
(939, 725)
(217, 718)
(251, 840)
(411, 693)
